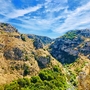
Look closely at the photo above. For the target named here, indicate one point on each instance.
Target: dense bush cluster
(70, 35)
(52, 79)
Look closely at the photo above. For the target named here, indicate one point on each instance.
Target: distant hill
(44, 39)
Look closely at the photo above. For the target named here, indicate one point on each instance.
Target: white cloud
(7, 9)
(22, 12)
(76, 18)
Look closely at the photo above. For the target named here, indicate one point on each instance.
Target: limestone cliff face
(67, 48)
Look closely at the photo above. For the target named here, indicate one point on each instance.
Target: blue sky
(46, 17)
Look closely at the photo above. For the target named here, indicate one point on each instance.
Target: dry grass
(12, 69)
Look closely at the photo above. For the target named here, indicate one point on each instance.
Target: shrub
(43, 76)
(23, 37)
(35, 79)
(23, 82)
(26, 70)
(56, 68)
(12, 86)
(26, 58)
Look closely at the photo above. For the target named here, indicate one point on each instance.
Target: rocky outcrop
(15, 54)
(7, 27)
(85, 32)
(86, 48)
(43, 61)
(37, 43)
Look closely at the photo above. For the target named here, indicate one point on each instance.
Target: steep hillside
(70, 46)
(20, 56)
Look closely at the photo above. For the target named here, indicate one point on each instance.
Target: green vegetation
(73, 79)
(26, 70)
(26, 58)
(52, 79)
(71, 75)
(70, 35)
